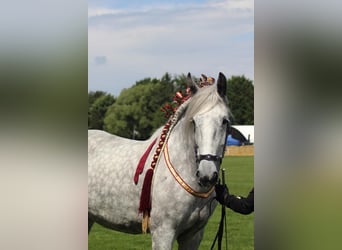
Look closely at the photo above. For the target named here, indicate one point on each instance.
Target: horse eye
(226, 122)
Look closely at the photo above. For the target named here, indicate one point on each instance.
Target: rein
(179, 178)
(223, 224)
(223, 221)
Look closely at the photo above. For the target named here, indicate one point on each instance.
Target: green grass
(239, 176)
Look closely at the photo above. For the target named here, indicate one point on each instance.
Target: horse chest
(197, 218)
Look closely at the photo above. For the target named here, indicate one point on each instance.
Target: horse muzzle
(205, 181)
(207, 170)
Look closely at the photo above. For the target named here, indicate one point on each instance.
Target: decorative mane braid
(170, 108)
(179, 112)
(167, 130)
(206, 81)
(179, 98)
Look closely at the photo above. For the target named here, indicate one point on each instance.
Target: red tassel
(145, 197)
(142, 161)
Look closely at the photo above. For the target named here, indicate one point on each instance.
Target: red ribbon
(142, 161)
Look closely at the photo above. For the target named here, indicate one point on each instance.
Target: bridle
(199, 158)
(208, 157)
(214, 158)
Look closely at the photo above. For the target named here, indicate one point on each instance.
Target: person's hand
(221, 193)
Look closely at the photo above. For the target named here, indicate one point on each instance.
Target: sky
(131, 40)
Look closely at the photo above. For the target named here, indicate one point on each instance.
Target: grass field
(239, 175)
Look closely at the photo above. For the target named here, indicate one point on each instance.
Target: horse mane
(204, 100)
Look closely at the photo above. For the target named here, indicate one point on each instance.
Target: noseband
(214, 158)
(209, 157)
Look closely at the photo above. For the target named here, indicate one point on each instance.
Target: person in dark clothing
(242, 205)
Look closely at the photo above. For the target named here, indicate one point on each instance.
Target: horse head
(209, 116)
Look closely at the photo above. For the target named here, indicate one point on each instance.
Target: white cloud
(98, 11)
(200, 38)
(235, 4)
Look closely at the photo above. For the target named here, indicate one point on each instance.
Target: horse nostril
(197, 173)
(216, 175)
(214, 178)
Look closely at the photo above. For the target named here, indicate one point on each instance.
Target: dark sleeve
(241, 205)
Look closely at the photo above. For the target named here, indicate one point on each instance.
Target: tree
(93, 95)
(98, 104)
(136, 112)
(240, 93)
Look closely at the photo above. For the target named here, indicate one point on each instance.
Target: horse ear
(222, 85)
(193, 87)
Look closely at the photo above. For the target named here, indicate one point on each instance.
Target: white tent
(246, 130)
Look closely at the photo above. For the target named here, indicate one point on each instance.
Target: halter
(214, 158)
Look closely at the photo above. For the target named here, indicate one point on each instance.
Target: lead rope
(223, 224)
(223, 221)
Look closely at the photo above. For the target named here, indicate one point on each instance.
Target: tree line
(136, 112)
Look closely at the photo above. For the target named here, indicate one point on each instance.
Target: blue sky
(131, 40)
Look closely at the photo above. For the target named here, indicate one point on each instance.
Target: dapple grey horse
(195, 148)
